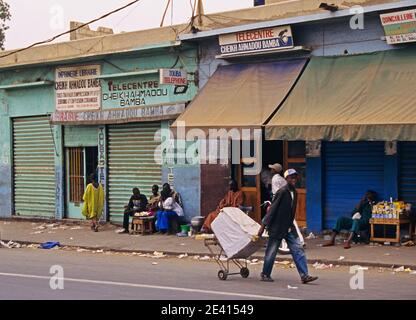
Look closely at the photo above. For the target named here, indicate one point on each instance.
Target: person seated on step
(173, 193)
(153, 205)
(233, 198)
(170, 213)
(359, 220)
(137, 203)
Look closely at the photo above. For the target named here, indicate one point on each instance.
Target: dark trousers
(126, 218)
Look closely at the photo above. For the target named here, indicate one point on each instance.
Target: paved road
(24, 274)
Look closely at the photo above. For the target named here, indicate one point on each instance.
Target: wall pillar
(59, 172)
(314, 187)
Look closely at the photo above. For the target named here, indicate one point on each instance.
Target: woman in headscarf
(93, 202)
(169, 211)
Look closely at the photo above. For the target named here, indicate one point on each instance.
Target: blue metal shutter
(350, 169)
(34, 167)
(407, 178)
(131, 163)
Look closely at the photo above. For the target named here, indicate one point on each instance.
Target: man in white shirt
(278, 181)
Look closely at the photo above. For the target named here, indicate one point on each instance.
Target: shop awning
(363, 97)
(242, 95)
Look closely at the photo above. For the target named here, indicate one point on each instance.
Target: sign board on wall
(125, 115)
(399, 27)
(175, 77)
(77, 88)
(260, 40)
(138, 92)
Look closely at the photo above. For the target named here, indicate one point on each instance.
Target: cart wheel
(222, 275)
(244, 272)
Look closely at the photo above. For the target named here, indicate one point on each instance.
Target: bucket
(185, 228)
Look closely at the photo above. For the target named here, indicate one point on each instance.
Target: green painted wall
(37, 101)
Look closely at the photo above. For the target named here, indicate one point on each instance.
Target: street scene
(208, 151)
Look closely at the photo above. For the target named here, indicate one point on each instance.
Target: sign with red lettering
(399, 27)
(257, 40)
(77, 88)
(175, 77)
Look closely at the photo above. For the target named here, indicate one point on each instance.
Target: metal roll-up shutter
(34, 167)
(407, 178)
(131, 163)
(351, 168)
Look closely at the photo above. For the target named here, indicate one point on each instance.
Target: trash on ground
(10, 245)
(204, 258)
(311, 236)
(363, 268)
(154, 263)
(255, 260)
(181, 256)
(318, 265)
(290, 287)
(341, 258)
(399, 269)
(285, 263)
(82, 250)
(409, 244)
(50, 245)
(76, 228)
(196, 257)
(37, 232)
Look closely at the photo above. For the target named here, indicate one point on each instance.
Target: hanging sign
(77, 88)
(257, 40)
(175, 77)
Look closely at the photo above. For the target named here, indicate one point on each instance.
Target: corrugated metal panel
(131, 163)
(34, 167)
(407, 180)
(80, 136)
(351, 168)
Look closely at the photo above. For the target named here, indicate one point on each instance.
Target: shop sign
(150, 113)
(399, 27)
(138, 92)
(77, 88)
(175, 77)
(257, 40)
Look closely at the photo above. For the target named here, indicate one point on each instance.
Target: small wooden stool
(142, 225)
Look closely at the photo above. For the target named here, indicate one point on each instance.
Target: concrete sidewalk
(79, 235)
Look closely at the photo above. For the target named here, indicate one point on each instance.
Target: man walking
(279, 224)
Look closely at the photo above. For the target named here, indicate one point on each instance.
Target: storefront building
(105, 114)
(344, 118)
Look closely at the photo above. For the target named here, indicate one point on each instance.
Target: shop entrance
(81, 162)
(290, 155)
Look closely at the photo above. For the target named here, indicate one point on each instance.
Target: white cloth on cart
(235, 230)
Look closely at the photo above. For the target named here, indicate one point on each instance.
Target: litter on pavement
(290, 287)
(318, 265)
(311, 236)
(50, 245)
(10, 245)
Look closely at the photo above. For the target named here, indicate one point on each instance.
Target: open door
(81, 162)
(295, 157)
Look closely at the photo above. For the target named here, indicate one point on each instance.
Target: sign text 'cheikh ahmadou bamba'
(253, 41)
(399, 27)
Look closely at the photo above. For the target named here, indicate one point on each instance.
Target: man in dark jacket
(137, 203)
(279, 224)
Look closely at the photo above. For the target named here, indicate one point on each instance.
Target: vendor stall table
(142, 225)
(386, 222)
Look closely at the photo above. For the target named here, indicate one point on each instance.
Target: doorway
(291, 154)
(81, 162)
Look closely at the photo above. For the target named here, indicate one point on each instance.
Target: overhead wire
(71, 30)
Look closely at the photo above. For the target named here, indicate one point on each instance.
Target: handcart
(224, 265)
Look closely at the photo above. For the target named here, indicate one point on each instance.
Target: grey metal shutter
(407, 178)
(351, 168)
(131, 163)
(34, 167)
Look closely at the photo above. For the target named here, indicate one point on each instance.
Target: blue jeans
(296, 249)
